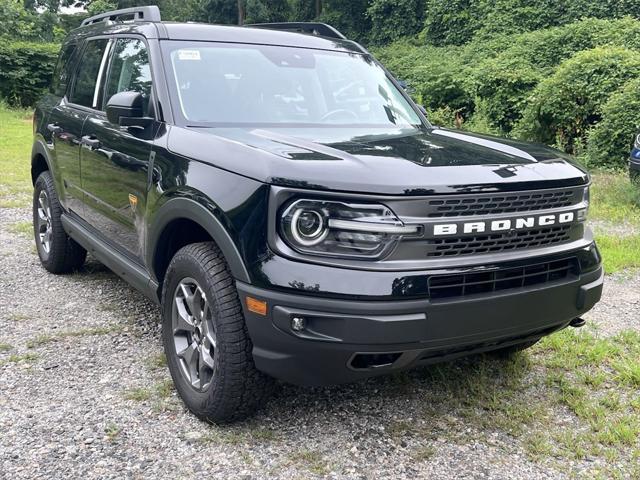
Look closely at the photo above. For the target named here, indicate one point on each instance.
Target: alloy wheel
(43, 226)
(194, 335)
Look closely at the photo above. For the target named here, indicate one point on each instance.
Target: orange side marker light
(256, 306)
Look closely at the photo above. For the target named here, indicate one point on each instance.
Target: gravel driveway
(84, 394)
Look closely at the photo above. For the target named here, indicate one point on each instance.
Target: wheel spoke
(190, 356)
(42, 200)
(198, 295)
(188, 296)
(208, 333)
(206, 358)
(183, 321)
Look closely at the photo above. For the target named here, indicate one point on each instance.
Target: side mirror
(126, 109)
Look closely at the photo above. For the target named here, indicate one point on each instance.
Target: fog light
(298, 324)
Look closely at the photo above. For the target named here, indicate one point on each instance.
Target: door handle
(54, 128)
(90, 141)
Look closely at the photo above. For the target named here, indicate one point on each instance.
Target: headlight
(586, 198)
(342, 229)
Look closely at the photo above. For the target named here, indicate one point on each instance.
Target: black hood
(398, 162)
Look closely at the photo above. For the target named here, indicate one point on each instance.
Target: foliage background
(561, 73)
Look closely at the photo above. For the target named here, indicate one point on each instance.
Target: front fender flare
(186, 208)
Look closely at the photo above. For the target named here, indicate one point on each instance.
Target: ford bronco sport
(293, 211)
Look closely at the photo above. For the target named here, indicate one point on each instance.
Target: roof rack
(313, 28)
(147, 14)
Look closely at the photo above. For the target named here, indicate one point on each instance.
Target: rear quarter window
(64, 69)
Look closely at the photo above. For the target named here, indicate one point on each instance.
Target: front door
(114, 159)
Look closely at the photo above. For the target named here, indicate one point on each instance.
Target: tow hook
(577, 322)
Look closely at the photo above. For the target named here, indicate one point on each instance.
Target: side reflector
(256, 306)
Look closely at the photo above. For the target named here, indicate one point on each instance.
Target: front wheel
(208, 349)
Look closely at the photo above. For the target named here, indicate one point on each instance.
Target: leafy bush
(502, 89)
(449, 22)
(456, 22)
(25, 70)
(394, 19)
(565, 105)
(610, 141)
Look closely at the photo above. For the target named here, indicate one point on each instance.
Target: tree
(393, 19)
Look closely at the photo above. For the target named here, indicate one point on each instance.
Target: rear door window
(86, 87)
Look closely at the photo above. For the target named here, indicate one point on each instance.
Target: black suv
(293, 211)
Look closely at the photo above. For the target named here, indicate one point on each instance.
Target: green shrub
(456, 22)
(450, 22)
(26, 70)
(502, 88)
(565, 105)
(610, 141)
(394, 19)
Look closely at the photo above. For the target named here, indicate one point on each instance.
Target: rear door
(115, 160)
(66, 119)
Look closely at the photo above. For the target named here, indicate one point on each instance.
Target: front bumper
(350, 339)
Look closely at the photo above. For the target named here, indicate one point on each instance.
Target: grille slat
(458, 285)
(525, 202)
(542, 236)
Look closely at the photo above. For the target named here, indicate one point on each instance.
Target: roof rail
(313, 28)
(147, 14)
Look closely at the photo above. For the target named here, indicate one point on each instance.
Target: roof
(204, 32)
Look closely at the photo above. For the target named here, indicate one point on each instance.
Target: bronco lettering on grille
(503, 225)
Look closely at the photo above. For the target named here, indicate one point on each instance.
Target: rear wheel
(208, 349)
(57, 251)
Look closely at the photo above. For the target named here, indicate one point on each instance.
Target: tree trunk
(318, 8)
(240, 12)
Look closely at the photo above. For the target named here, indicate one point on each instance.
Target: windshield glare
(230, 84)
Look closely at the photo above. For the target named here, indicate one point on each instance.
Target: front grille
(506, 203)
(447, 286)
(498, 242)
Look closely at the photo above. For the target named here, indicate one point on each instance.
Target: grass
(159, 395)
(24, 228)
(572, 397)
(16, 138)
(614, 199)
(18, 358)
(619, 253)
(112, 431)
(18, 317)
(45, 338)
(138, 394)
(312, 460)
(156, 361)
(5, 347)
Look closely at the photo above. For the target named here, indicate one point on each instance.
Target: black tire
(508, 352)
(235, 388)
(61, 254)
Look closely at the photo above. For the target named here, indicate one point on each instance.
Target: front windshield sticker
(189, 54)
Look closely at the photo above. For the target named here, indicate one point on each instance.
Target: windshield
(258, 85)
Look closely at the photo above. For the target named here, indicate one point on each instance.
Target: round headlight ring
(314, 232)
